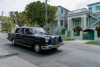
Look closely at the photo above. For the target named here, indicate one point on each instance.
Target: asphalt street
(69, 55)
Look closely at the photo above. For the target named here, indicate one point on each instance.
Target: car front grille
(54, 40)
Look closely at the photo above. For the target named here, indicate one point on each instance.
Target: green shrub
(94, 42)
(63, 30)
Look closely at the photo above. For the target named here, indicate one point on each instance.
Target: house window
(77, 22)
(61, 10)
(97, 7)
(61, 23)
(90, 9)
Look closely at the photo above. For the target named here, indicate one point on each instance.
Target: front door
(91, 35)
(88, 34)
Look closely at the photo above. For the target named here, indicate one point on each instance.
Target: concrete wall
(77, 37)
(98, 39)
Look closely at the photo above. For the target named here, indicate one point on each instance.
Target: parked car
(36, 38)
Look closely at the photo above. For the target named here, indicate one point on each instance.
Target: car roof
(28, 27)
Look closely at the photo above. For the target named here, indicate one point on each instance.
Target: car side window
(30, 31)
(19, 30)
(27, 31)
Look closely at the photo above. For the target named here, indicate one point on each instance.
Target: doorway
(88, 34)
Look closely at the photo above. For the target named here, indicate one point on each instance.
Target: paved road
(70, 55)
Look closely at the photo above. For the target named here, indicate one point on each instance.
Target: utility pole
(46, 15)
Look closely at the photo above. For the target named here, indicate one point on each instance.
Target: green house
(87, 19)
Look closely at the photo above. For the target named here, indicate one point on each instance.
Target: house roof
(93, 3)
(63, 8)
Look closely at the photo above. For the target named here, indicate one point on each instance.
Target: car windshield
(39, 31)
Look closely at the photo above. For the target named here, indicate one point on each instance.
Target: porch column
(81, 35)
(95, 35)
(66, 33)
(84, 22)
(72, 34)
(69, 21)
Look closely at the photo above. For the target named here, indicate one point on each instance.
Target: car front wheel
(37, 48)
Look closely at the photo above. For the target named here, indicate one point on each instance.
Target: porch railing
(77, 11)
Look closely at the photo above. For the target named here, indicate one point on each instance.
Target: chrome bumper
(51, 46)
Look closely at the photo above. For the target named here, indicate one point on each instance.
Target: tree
(97, 28)
(19, 18)
(77, 29)
(7, 24)
(36, 13)
(13, 16)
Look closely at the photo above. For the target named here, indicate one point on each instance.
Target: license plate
(57, 46)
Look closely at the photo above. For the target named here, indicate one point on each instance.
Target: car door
(24, 36)
(27, 37)
(30, 37)
(18, 35)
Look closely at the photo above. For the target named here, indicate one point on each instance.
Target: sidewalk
(77, 41)
(8, 59)
(4, 34)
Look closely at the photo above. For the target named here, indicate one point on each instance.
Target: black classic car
(36, 38)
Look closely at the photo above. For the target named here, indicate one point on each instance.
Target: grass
(94, 42)
(68, 39)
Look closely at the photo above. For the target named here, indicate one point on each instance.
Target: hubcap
(37, 48)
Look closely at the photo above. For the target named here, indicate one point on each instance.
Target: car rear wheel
(13, 42)
(37, 48)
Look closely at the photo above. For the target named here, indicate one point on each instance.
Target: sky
(19, 5)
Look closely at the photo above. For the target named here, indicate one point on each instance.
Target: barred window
(90, 9)
(61, 10)
(97, 7)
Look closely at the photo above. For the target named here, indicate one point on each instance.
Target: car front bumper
(51, 46)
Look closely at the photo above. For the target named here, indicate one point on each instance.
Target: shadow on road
(22, 49)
